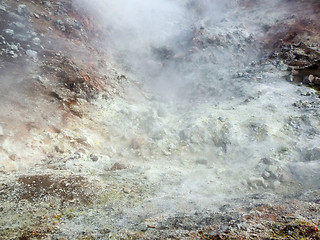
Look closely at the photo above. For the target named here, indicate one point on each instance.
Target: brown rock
(136, 143)
(316, 80)
(59, 149)
(308, 79)
(294, 72)
(117, 166)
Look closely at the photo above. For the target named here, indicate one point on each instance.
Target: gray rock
(46, 17)
(47, 4)
(266, 161)
(33, 33)
(157, 135)
(36, 41)
(19, 25)
(285, 178)
(184, 135)
(41, 79)
(276, 184)
(59, 24)
(222, 119)
(21, 37)
(94, 157)
(256, 182)
(32, 54)
(13, 54)
(161, 112)
(312, 155)
(14, 47)
(272, 169)
(2, 8)
(9, 31)
(22, 9)
(202, 162)
(306, 173)
(266, 174)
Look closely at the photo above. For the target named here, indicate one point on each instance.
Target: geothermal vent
(164, 119)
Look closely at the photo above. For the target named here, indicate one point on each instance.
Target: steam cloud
(210, 50)
(155, 39)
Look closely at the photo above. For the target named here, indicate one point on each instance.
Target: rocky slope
(212, 133)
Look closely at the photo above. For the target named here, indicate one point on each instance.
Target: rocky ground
(210, 134)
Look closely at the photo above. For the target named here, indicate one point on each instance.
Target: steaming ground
(195, 126)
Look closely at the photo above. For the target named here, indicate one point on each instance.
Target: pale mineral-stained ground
(162, 120)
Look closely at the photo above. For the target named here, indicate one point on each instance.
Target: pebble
(222, 119)
(127, 190)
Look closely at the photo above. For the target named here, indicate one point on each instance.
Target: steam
(134, 25)
(172, 45)
(155, 39)
(232, 112)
